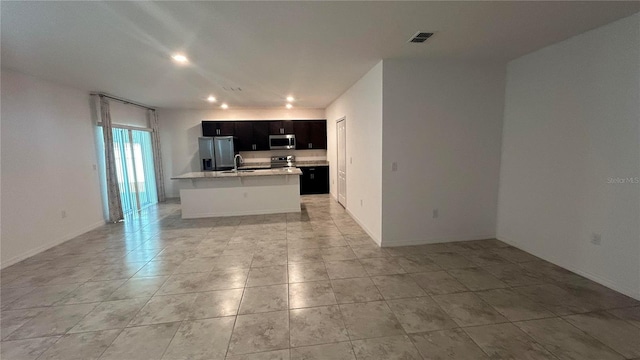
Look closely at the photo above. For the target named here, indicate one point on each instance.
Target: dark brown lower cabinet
(314, 180)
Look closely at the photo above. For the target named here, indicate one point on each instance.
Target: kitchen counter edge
(223, 174)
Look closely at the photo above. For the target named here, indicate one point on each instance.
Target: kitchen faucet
(235, 162)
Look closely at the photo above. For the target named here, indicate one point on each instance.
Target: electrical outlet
(435, 213)
(63, 214)
(394, 166)
(596, 239)
(95, 167)
(245, 194)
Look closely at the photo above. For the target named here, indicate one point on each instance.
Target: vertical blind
(143, 155)
(134, 166)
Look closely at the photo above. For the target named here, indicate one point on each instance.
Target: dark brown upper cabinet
(301, 130)
(260, 135)
(218, 128)
(317, 134)
(283, 127)
(244, 135)
(252, 135)
(311, 134)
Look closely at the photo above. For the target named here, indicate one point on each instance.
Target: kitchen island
(245, 192)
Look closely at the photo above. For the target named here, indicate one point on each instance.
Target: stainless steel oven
(282, 142)
(283, 161)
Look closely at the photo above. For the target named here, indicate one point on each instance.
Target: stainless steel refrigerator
(216, 153)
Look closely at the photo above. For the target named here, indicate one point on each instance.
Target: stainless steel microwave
(279, 142)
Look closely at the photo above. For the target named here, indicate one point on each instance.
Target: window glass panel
(145, 172)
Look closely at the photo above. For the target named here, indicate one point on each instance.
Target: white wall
(180, 129)
(362, 107)
(48, 154)
(572, 122)
(442, 126)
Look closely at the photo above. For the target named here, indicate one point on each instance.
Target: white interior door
(342, 161)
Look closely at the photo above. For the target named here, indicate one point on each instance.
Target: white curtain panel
(155, 141)
(113, 191)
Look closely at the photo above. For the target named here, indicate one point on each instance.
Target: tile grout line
(589, 335)
(235, 320)
(323, 261)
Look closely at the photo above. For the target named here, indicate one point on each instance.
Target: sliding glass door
(134, 165)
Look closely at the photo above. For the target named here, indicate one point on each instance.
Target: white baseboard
(634, 293)
(50, 244)
(411, 242)
(369, 232)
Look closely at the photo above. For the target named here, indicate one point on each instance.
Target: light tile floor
(300, 286)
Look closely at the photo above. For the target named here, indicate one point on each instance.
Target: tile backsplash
(252, 157)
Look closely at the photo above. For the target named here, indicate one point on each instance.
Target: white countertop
(311, 163)
(267, 165)
(241, 173)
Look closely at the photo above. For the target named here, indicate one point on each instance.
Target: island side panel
(213, 197)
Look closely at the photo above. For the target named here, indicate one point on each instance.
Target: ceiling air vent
(420, 37)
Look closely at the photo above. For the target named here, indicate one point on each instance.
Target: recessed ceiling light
(290, 99)
(180, 58)
(211, 99)
(289, 106)
(224, 106)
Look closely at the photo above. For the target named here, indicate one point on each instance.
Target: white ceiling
(313, 50)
